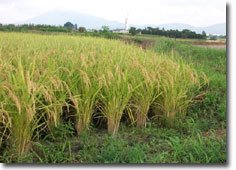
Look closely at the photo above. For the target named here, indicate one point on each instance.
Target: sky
(140, 12)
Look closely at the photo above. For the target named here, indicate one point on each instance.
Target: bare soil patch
(210, 44)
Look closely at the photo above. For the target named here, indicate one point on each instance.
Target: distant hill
(216, 29)
(177, 26)
(89, 21)
(213, 29)
(61, 17)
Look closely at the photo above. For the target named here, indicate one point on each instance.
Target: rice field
(47, 80)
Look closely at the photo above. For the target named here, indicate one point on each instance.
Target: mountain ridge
(57, 17)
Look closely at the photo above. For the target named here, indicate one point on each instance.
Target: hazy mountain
(89, 21)
(177, 26)
(216, 29)
(61, 17)
(213, 29)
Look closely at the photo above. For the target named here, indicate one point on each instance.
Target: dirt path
(210, 44)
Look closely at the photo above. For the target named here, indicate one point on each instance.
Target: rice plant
(115, 95)
(40, 75)
(83, 95)
(146, 91)
(19, 104)
(179, 84)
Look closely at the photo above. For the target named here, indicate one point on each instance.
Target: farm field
(76, 99)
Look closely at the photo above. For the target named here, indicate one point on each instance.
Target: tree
(139, 31)
(132, 31)
(105, 29)
(69, 25)
(204, 35)
(82, 29)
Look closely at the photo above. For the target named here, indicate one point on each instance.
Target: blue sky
(193, 12)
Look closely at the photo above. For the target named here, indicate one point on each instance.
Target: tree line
(33, 27)
(69, 27)
(168, 33)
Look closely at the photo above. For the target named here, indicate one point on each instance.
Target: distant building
(125, 30)
(120, 31)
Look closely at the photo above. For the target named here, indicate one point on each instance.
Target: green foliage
(132, 31)
(105, 29)
(33, 28)
(185, 33)
(82, 29)
(60, 133)
(204, 36)
(198, 149)
(69, 25)
(52, 153)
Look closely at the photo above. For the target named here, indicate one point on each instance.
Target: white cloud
(193, 12)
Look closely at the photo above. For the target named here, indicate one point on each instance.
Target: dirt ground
(210, 44)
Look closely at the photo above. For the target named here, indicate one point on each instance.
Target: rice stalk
(114, 96)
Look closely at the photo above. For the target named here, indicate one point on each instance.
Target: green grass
(56, 68)
(131, 145)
